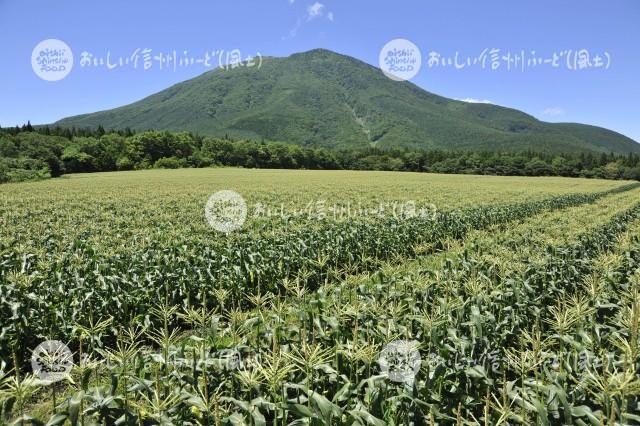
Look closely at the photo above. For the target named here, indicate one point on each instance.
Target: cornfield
(518, 301)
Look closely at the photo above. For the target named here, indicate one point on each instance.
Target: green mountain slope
(321, 98)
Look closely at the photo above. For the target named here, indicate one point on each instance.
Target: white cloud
(294, 31)
(315, 10)
(475, 101)
(553, 111)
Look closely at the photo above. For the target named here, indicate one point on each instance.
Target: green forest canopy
(28, 153)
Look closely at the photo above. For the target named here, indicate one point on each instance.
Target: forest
(39, 152)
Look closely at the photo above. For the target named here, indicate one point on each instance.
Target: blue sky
(602, 96)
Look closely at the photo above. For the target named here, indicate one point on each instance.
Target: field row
(53, 292)
(542, 318)
(122, 213)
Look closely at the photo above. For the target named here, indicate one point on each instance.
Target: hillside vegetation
(323, 99)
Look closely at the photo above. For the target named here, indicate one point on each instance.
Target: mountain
(322, 98)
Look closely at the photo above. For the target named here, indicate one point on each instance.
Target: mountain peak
(318, 52)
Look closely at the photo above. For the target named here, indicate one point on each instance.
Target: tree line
(31, 153)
